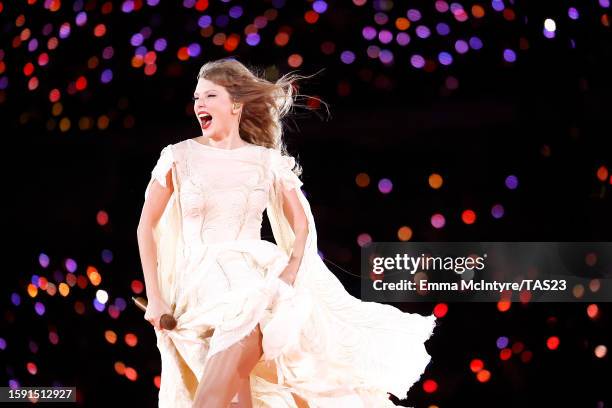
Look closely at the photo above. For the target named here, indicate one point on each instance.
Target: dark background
(543, 118)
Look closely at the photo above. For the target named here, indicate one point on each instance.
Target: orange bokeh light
(404, 233)
(483, 375)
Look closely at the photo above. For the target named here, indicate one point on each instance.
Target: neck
(231, 140)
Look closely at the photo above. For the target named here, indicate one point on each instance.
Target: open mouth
(205, 119)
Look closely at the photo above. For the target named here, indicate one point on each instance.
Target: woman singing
(258, 324)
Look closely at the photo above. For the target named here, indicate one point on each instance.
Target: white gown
(319, 342)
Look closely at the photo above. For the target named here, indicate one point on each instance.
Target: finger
(152, 322)
(155, 325)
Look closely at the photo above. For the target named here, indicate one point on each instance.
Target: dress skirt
(229, 288)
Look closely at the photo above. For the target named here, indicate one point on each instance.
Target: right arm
(152, 210)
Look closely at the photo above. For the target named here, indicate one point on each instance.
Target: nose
(198, 102)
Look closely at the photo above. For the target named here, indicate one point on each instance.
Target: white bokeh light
(102, 296)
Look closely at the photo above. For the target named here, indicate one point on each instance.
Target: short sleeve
(164, 164)
(282, 168)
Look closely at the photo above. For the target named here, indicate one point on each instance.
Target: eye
(211, 95)
(193, 98)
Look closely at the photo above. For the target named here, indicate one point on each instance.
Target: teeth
(205, 116)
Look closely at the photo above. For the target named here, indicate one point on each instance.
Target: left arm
(299, 223)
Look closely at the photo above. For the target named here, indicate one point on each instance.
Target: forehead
(205, 85)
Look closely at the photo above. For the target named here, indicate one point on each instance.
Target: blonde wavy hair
(264, 103)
